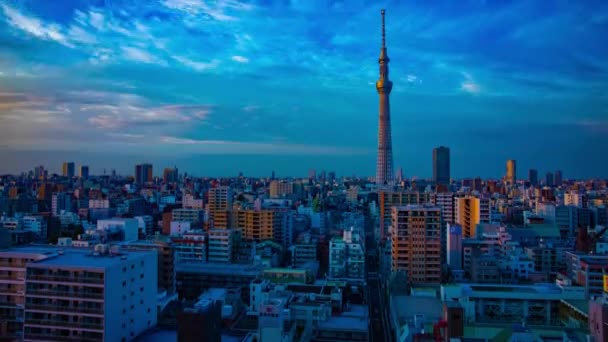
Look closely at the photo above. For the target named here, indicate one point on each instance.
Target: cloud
(251, 108)
(469, 85)
(33, 26)
(198, 66)
(240, 59)
(138, 55)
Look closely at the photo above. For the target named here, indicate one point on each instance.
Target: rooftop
(355, 318)
(219, 268)
(406, 307)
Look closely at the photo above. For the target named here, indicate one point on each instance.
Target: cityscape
(141, 212)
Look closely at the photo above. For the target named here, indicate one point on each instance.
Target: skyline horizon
(54, 166)
(234, 93)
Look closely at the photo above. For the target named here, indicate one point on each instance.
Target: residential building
(36, 224)
(454, 247)
(587, 270)
(471, 211)
(280, 189)
(347, 257)
(220, 203)
(166, 260)
(416, 242)
(170, 175)
(125, 228)
(257, 225)
(190, 246)
(387, 199)
(220, 245)
(194, 216)
(191, 202)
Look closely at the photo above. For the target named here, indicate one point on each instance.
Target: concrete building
(166, 260)
(36, 224)
(192, 277)
(447, 202)
(347, 257)
(83, 172)
(384, 162)
(143, 173)
(61, 201)
(303, 253)
(67, 169)
(441, 165)
(190, 202)
(454, 247)
(598, 319)
(191, 246)
(533, 177)
(549, 258)
(549, 179)
(576, 199)
(257, 225)
(221, 245)
(99, 204)
(387, 199)
(81, 294)
(416, 242)
(587, 270)
(194, 216)
(280, 189)
(511, 174)
(490, 303)
(471, 211)
(220, 203)
(170, 175)
(127, 228)
(145, 224)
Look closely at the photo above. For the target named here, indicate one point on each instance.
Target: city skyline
(460, 84)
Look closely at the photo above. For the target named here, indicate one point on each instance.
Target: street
(378, 311)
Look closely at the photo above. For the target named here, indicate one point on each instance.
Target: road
(378, 311)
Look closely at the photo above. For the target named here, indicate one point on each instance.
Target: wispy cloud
(469, 85)
(34, 26)
(198, 66)
(240, 59)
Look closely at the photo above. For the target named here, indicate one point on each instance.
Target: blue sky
(218, 87)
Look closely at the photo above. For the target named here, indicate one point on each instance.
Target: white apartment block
(128, 226)
(191, 247)
(36, 224)
(220, 245)
(72, 294)
(347, 257)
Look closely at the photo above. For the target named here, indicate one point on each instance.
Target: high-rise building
(416, 242)
(558, 178)
(445, 201)
(220, 203)
(549, 179)
(257, 225)
(80, 294)
(471, 211)
(84, 172)
(384, 164)
(400, 175)
(67, 169)
(61, 201)
(387, 199)
(454, 246)
(511, 175)
(220, 245)
(280, 188)
(533, 177)
(312, 174)
(170, 175)
(441, 165)
(143, 173)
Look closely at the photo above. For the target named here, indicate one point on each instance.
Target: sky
(221, 87)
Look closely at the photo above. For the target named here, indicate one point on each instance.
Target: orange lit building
(387, 199)
(416, 242)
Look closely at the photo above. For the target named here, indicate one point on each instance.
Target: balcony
(59, 338)
(60, 308)
(58, 323)
(66, 279)
(65, 294)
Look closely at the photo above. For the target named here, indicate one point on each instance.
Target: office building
(143, 173)
(533, 177)
(441, 165)
(384, 164)
(170, 175)
(280, 189)
(67, 169)
(576, 199)
(347, 257)
(511, 175)
(81, 294)
(471, 211)
(549, 179)
(558, 178)
(416, 242)
(193, 216)
(36, 224)
(83, 172)
(61, 201)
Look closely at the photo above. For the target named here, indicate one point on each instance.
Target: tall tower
(511, 171)
(384, 165)
(441, 165)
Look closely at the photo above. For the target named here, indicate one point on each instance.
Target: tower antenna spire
(383, 11)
